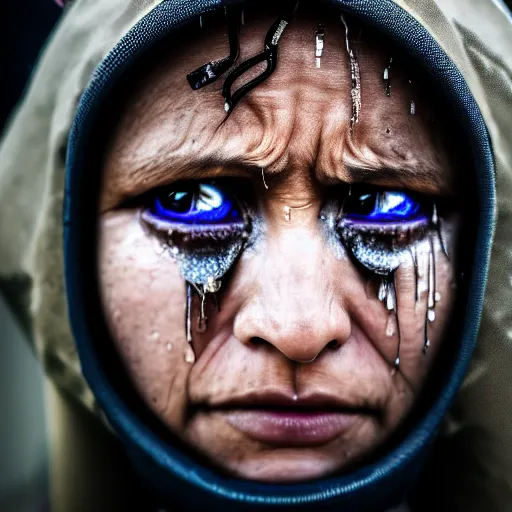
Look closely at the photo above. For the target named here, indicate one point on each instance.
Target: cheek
(143, 299)
(407, 331)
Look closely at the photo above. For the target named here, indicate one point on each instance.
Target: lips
(282, 421)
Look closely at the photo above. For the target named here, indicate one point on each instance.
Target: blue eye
(195, 203)
(383, 206)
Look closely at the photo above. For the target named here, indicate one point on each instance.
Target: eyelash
(376, 225)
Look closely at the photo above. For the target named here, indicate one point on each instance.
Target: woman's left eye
(379, 226)
(195, 203)
(383, 206)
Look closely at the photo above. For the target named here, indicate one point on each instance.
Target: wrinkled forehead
(302, 115)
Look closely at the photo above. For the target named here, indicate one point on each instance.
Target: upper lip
(276, 400)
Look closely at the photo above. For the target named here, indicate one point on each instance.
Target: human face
(296, 375)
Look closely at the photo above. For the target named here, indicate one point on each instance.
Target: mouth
(283, 421)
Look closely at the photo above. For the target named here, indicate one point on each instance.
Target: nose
(294, 304)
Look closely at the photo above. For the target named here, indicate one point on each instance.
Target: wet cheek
(407, 331)
(143, 298)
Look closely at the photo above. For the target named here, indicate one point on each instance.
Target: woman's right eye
(192, 203)
(203, 223)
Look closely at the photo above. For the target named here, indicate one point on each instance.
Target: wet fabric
(475, 451)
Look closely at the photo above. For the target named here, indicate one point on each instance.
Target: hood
(42, 251)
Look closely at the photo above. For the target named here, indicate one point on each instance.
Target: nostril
(257, 341)
(333, 345)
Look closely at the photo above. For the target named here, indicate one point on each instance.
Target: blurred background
(24, 28)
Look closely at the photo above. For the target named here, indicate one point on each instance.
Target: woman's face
(296, 368)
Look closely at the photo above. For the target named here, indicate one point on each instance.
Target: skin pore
(300, 325)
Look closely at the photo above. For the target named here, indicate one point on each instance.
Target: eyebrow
(192, 167)
(425, 180)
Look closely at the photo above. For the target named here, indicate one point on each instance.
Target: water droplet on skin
(390, 326)
(202, 320)
(386, 77)
(319, 47)
(437, 297)
(226, 106)
(393, 292)
(155, 336)
(431, 315)
(383, 290)
(190, 357)
(414, 258)
(188, 311)
(431, 277)
(169, 346)
(295, 397)
(390, 302)
(263, 177)
(201, 325)
(413, 108)
(355, 78)
(435, 217)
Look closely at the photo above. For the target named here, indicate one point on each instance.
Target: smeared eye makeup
(378, 226)
(204, 227)
(383, 229)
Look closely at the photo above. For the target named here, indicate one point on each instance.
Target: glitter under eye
(378, 246)
(202, 225)
(379, 227)
(204, 228)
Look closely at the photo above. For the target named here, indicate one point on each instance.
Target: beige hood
(478, 38)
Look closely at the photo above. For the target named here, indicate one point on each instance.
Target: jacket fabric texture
(467, 47)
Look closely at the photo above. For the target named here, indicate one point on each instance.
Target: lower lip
(286, 428)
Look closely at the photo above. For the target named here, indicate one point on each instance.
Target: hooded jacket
(466, 49)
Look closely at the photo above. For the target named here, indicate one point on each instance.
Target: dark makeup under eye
(202, 223)
(379, 226)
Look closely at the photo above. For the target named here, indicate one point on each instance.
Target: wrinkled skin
(297, 318)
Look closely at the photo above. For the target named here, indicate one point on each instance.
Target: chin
(286, 465)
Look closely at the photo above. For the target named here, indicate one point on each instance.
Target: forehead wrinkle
(344, 158)
(268, 129)
(272, 133)
(292, 125)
